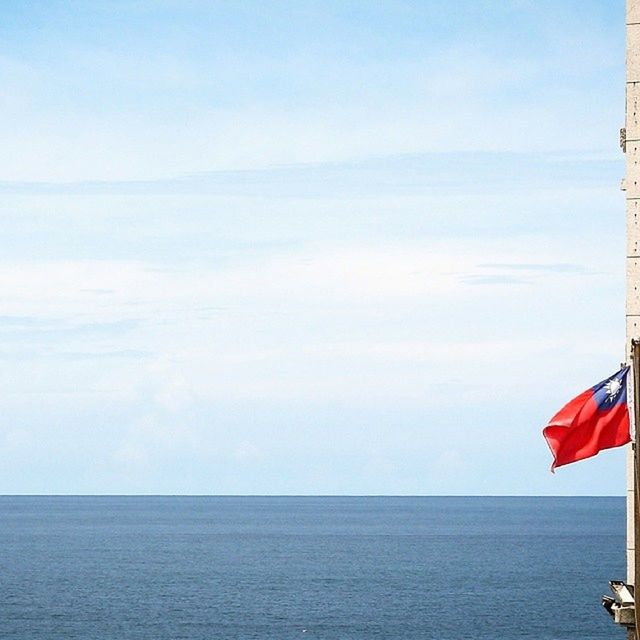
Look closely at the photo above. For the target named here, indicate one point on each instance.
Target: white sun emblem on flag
(612, 388)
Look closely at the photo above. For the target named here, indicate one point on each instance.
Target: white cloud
(165, 116)
(355, 323)
(328, 320)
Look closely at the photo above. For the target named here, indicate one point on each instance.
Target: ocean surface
(285, 568)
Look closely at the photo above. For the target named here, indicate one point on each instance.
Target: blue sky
(306, 247)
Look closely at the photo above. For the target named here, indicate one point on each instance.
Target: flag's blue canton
(612, 391)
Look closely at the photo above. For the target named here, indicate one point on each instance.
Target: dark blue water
(308, 568)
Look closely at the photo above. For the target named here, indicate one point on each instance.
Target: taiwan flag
(597, 419)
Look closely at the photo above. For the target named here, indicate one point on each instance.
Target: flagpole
(635, 363)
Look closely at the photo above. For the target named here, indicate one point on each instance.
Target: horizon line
(292, 495)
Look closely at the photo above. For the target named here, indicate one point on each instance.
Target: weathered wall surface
(632, 191)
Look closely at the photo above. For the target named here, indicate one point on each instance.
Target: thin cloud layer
(306, 247)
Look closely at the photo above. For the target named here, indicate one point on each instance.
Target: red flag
(597, 419)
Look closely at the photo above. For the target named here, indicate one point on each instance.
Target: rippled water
(282, 568)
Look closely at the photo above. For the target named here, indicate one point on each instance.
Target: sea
(303, 568)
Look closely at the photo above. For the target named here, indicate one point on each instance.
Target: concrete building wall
(632, 192)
